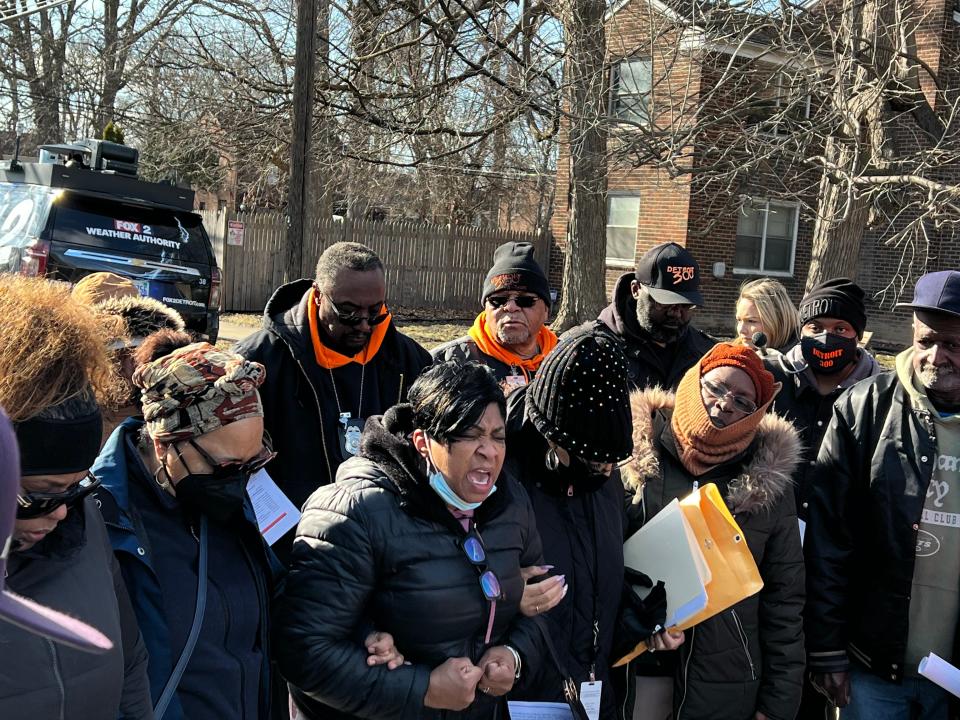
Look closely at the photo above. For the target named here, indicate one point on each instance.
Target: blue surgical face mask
(439, 484)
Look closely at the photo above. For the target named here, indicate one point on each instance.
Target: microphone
(760, 342)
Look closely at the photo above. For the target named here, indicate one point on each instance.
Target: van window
(169, 235)
(23, 212)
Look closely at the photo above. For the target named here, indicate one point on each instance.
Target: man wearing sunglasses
(333, 359)
(509, 335)
(650, 315)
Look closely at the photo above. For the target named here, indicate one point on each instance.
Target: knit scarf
(701, 444)
(331, 359)
(485, 336)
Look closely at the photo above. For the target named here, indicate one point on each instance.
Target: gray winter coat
(73, 570)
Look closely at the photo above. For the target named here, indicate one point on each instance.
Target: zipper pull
(570, 491)
(696, 485)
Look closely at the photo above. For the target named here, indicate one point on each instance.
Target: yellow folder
(733, 573)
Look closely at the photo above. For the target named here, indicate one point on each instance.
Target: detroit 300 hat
(671, 275)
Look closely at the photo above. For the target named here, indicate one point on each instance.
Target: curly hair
(52, 348)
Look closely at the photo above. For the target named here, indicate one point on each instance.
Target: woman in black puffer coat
(747, 662)
(413, 539)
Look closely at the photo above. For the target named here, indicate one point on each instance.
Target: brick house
(768, 237)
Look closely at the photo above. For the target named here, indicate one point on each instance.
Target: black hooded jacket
(301, 408)
(649, 364)
(380, 549)
(581, 525)
(749, 658)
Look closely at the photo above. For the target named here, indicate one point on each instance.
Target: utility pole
(301, 153)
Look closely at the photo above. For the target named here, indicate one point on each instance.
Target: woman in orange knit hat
(747, 662)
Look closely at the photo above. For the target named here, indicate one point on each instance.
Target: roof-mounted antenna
(15, 160)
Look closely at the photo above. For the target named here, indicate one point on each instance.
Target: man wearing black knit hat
(509, 335)
(650, 315)
(826, 362)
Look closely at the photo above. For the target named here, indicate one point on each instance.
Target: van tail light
(215, 281)
(33, 259)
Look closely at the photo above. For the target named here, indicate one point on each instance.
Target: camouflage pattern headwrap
(198, 389)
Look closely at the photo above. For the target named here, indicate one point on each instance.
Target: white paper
(666, 549)
(590, 698)
(275, 513)
(538, 711)
(937, 670)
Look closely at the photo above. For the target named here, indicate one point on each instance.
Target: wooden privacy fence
(428, 267)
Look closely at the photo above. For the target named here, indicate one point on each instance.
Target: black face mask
(219, 496)
(828, 354)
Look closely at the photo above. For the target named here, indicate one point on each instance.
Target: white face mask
(440, 486)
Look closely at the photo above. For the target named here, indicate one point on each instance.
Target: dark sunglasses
(246, 469)
(352, 319)
(522, 301)
(489, 582)
(35, 504)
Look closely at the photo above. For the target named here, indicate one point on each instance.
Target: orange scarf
(486, 339)
(331, 359)
(703, 445)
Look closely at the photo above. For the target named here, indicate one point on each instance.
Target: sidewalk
(234, 332)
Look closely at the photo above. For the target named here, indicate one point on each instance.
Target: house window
(766, 238)
(630, 83)
(780, 98)
(622, 214)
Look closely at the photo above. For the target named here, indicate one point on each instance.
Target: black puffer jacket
(801, 403)
(581, 526)
(380, 549)
(867, 493)
(299, 403)
(649, 364)
(749, 658)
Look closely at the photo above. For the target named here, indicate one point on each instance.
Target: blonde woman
(765, 307)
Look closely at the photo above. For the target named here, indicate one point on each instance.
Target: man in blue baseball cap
(883, 535)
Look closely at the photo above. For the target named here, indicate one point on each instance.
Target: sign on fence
(235, 233)
(428, 267)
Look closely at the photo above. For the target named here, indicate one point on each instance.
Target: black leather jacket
(867, 491)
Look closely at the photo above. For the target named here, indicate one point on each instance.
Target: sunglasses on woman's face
(489, 582)
(246, 468)
(522, 301)
(36, 504)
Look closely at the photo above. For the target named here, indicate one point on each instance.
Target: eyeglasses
(489, 582)
(522, 301)
(719, 391)
(352, 319)
(35, 504)
(247, 468)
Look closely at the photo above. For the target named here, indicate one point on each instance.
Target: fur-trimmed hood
(774, 455)
(142, 316)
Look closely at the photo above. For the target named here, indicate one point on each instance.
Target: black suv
(82, 209)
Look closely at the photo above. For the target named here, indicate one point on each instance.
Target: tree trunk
(584, 263)
(840, 225)
(298, 200)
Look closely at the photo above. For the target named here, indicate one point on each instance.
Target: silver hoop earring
(552, 460)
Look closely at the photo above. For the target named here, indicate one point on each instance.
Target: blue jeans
(872, 698)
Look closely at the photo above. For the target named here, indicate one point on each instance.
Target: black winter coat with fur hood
(749, 658)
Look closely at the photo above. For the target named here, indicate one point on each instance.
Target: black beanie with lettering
(515, 269)
(839, 298)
